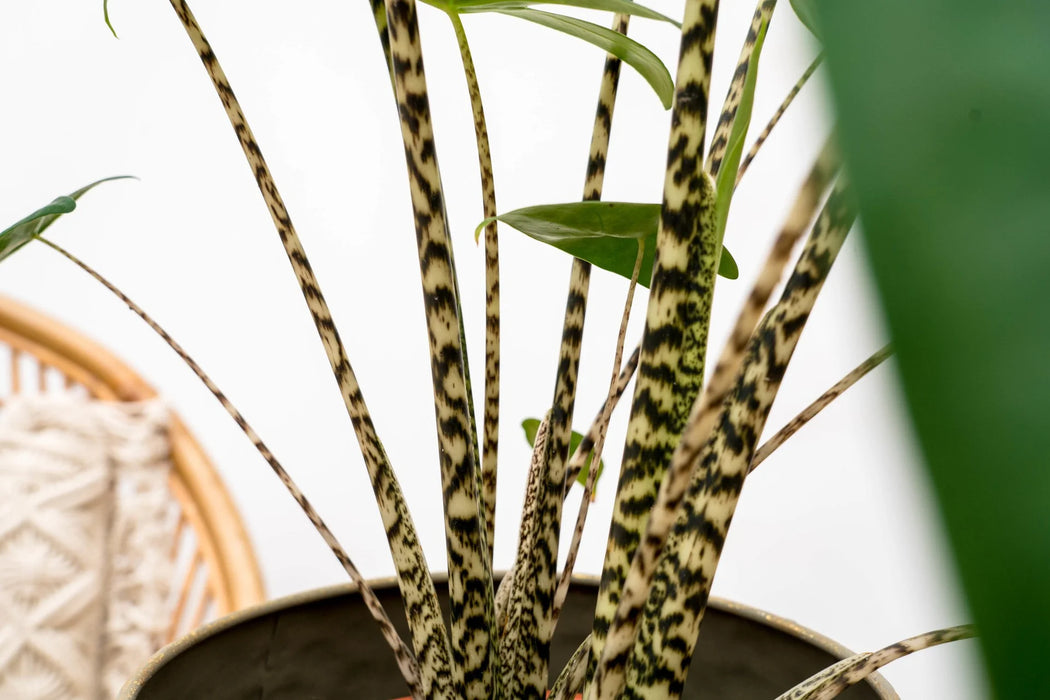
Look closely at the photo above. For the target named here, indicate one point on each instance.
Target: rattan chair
(215, 566)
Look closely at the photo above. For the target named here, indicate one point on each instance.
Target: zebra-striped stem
(825, 399)
(537, 629)
(701, 419)
(378, 8)
(681, 584)
(720, 140)
(601, 425)
(542, 569)
(572, 334)
(706, 409)
(379, 12)
(404, 657)
(602, 130)
(576, 463)
(744, 164)
(475, 669)
(575, 466)
(570, 680)
(490, 420)
(518, 653)
(586, 447)
(429, 637)
(837, 678)
(675, 483)
(675, 337)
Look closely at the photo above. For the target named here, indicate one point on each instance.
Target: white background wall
(836, 531)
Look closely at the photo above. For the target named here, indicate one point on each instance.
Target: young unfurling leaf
(25, 230)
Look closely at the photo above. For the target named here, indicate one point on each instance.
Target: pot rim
(173, 649)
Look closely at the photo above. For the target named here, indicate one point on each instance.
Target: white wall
(837, 531)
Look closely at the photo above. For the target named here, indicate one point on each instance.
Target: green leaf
(942, 112)
(17, 235)
(725, 182)
(807, 14)
(628, 50)
(625, 7)
(105, 15)
(532, 425)
(25, 230)
(605, 234)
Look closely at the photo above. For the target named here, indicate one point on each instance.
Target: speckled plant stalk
(833, 680)
(702, 419)
(674, 341)
(405, 658)
(490, 420)
(535, 624)
(809, 412)
(682, 581)
(600, 426)
(720, 141)
(430, 640)
(475, 665)
(775, 119)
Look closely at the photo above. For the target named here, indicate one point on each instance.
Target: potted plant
(738, 385)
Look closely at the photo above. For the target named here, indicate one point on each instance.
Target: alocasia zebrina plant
(693, 431)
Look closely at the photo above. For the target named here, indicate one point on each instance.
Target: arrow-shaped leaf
(606, 234)
(531, 426)
(627, 50)
(25, 230)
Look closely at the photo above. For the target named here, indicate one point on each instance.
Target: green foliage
(628, 50)
(606, 234)
(943, 113)
(532, 425)
(25, 230)
(17, 235)
(648, 65)
(105, 15)
(625, 7)
(807, 14)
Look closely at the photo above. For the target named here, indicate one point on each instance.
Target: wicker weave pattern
(215, 566)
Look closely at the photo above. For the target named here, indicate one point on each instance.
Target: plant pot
(323, 644)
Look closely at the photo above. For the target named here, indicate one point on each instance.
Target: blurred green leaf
(943, 110)
(628, 50)
(807, 14)
(25, 230)
(532, 425)
(625, 7)
(606, 234)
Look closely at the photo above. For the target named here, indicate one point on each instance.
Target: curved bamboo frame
(216, 568)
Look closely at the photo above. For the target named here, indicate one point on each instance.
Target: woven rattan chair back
(215, 566)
